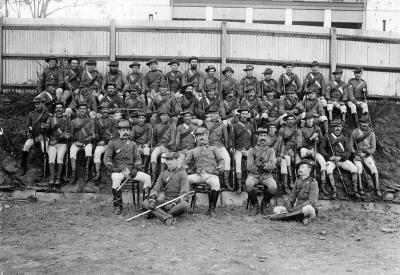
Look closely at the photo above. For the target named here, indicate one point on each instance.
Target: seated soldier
(114, 100)
(337, 95)
(312, 136)
(272, 107)
(335, 147)
(357, 94)
(290, 105)
(133, 101)
(114, 75)
(261, 161)
(219, 138)
(83, 96)
(48, 97)
(142, 134)
(207, 164)
(52, 76)
(363, 146)
(123, 160)
(304, 195)
(293, 140)
(313, 105)
(228, 107)
(185, 138)
(174, 183)
(188, 102)
(205, 103)
(255, 105)
(275, 142)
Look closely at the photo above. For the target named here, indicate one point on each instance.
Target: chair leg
(138, 193)
(133, 193)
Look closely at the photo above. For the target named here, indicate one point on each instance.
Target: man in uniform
(363, 146)
(91, 78)
(337, 95)
(229, 84)
(193, 75)
(83, 95)
(288, 81)
(304, 196)
(115, 76)
(188, 100)
(72, 78)
(185, 138)
(335, 147)
(56, 127)
(315, 81)
(52, 75)
(153, 78)
(267, 84)
(112, 98)
(228, 107)
(106, 130)
(210, 80)
(248, 81)
(35, 125)
(207, 164)
(206, 102)
(292, 138)
(142, 134)
(135, 78)
(123, 160)
(82, 134)
(275, 142)
(133, 100)
(357, 93)
(313, 105)
(290, 105)
(255, 105)
(272, 106)
(174, 77)
(261, 161)
(175, 183)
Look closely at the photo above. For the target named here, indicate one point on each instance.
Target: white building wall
(378, 10)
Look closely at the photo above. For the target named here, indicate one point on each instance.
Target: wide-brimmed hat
(173, 61)
(134, 64)
(152, 61)
(338, 71)
(91, 62)
(124, 124)
(228, 69)
(248, 68)
(209, 67)
(113, 64)
(52, 57)
(268, 71)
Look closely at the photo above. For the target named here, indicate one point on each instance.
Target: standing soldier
(242, 139)
(229, 83)
(56, 127)
(133, 101)
(207, 164)
(72, 78)
(91, 78)
(205, 103)
(315, 81)
(267, 84)
(142, 134)
(313, 105)
(357, 94)
(106, 130)
(82, 131)
(35, 125)
(115, 76)
(174, 77)
(228, 107)
(255, 105)
(123, 160)
(135, 78)
(261, 161)
(363, 146)
(337, 95)
(293, 140)
(248, 81)
(288, 81)
(193, 75)
(210, 80)
(51, 76)
(185, 138)
(335, 147)
(153, 78)
(291, 105)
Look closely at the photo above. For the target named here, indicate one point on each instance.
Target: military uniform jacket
(305, 192)
(205, 158)
(142, 134)
(34, 120)
(272, 107)
(246, 82)
(165, 103)
(188, 103)
(290, 107)
(261, 159)
(91, 79)
(185, 138)
(337, 91)
(203, 105)
(356, 88)
(227, 108)
(135, 103)
(174, 183)
(340, 146)
(87, 98)
(264, 85)
(289, 81)
(52, 77)
(82, 129)
(114, 102)
(138, 80)
(243, 135)
(218, 134)
(229, 84)
(175, 81)
(307, 133)
(312, 106)
(119, 79)
(193, 77)
(315, 82)
(366, 141)
(276, 143)
(291, 136)
(255, 106)
(152, 80)
(122, 154)
(211, 82)
(72, 78)
(106, 129)
(164, 134)
(56, 128)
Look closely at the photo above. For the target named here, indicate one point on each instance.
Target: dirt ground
(86, 238)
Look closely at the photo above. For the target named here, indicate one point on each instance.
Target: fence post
(224, 48)
(333, 51)
(1, 55)
(113, 42)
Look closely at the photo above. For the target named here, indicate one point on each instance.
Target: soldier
(337, 95)
(261, 161)
(357, 94)
(56, 127)
(91, 78)
(83, 96)
(174, 77)
(288, 81)
(135, 78)
(106, 130)
(291, 105)
(207, 164)
(188, 100)
(313, 105)
(312, 136)
(185, 138)
(228, 107)
(134, 101)
(272, 106)
(275, 142)
(205, 103)
(248, 81)
(115, 76)
(335, 147)
(193, 75)
(164, 140)
(304, 195)
(218, 137)
(175, 183)
(142, 134)
(52, 75)
(210, 80)
(315, 81)
(292, 138)
(112, 98)
(35, 125)
(82, 133)
(72, 78)
(242, 140)
(255, 105)
(153, 78)
(123, 160)
(229, 83)
(363, 146)
(267, 84)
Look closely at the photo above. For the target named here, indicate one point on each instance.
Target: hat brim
(172, 63)
(312, 164)
(224, 71)
(47, 60)
(134, 65)
(248, 69)
(208, 69)
(153, 62)
(264, 73)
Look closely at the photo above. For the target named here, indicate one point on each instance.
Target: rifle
(340, 173)
(44, 153)
(188, 194)
(295, 150)
(315, 157)
(68, 147)
(151, 150)
(232, 154)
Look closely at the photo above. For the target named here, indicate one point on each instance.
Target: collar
(83, 117)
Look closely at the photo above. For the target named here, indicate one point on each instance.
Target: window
(384, 25)
(150, 16)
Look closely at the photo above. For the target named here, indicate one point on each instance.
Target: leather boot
(354, 182)
(375, 178)
(285, 183)
(24, 161)
(360, 186)
(153, 173)
(213, 198)
(265, 201)
(240, 185)
(332, 180)
(254, 202)
(117, 201)
(163, 216)
(323, 183)
(228, 184)
(58, 180)
(88, 159)
(146, 162)
(73, 167)
(97, 171)
(52, 173)
(290, 173)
